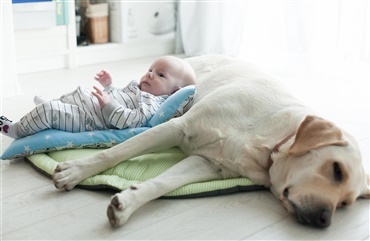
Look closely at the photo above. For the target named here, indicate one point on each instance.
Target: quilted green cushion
(139, 169)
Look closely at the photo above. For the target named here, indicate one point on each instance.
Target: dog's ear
(366, 192)
(315, 132)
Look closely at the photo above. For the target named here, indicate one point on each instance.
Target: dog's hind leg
(191, 169)
(70, 173)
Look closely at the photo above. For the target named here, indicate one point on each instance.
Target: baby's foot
(38, 99)
(6, 126)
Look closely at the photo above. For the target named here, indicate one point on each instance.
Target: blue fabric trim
(175, 103)
(56, 140)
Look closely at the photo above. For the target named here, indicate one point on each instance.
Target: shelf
(56, 47)
(94, 47)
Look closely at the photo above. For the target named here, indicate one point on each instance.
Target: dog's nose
(319, 217)
(322, 218)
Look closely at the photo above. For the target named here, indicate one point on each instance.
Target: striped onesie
(79, 111)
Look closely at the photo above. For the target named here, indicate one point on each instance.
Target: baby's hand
(104, 78)
(102, 96)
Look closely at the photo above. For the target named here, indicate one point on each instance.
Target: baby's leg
(49, 115)
(8, 128)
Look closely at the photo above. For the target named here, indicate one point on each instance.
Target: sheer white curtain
(209, 27)
(8, 75)
(321, 35)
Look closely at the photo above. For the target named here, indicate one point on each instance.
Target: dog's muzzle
(319, 217)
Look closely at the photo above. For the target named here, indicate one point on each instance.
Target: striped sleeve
(120, 117)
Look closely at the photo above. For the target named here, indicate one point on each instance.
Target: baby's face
(164, 77)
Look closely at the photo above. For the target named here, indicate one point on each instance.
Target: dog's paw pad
(116, 203)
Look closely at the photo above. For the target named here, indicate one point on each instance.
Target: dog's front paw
(120, 209)
(67, 175)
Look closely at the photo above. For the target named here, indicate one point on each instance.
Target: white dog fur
(243, 123)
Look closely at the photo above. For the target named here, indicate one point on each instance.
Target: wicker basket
(97, 29)
(97, 22)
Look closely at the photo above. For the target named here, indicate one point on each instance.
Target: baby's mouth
(144, 82)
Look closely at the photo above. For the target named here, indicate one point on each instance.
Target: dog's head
(317, 172)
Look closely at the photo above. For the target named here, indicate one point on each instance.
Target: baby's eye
(160, 75)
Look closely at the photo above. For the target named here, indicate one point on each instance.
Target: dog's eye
(286, 192)
(338, 175)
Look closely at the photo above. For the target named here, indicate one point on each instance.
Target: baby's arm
(120, 117)
(104, 78)
(102, 97)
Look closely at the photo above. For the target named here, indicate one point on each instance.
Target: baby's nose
(150, 75)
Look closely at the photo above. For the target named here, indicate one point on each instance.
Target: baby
(82, 110)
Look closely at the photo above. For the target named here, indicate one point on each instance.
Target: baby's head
(167, 75)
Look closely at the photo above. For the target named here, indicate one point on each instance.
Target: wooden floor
(32, 209)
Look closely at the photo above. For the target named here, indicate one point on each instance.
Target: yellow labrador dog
(243, 123)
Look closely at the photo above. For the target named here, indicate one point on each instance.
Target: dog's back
(238, 89)
(235, 108)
